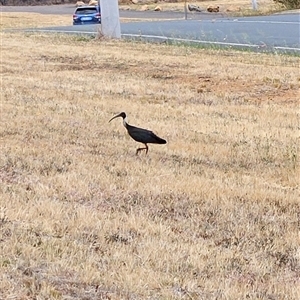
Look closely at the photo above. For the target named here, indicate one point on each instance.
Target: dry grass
(32, 20)
(214, 214)
(235, 7)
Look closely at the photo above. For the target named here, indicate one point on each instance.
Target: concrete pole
(254, 5)
(185, 10)
(110, 20)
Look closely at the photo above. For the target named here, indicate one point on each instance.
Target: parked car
(87, 15)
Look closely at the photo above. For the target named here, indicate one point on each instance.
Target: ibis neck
(125, 122)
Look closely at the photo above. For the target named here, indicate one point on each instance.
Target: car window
(84, 11)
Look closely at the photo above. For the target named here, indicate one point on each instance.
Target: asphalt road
(279, 32)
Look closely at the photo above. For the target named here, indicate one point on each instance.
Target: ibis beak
(119, 115)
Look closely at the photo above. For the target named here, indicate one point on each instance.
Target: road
(276, 33)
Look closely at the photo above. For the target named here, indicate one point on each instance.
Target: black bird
(139, 134)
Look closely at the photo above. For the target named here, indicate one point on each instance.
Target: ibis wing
(144, 135)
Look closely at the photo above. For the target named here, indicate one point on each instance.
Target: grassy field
(236, 7)
(213, 214)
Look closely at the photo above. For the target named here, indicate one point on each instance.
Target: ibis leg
(140, 149)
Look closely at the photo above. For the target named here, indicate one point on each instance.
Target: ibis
(140, 135)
